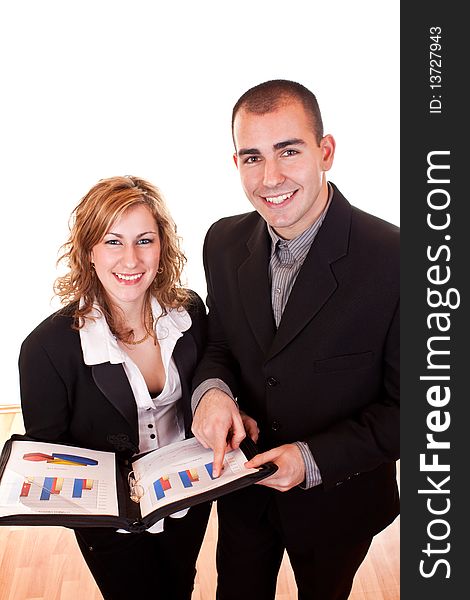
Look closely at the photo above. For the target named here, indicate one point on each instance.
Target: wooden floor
(44, 563)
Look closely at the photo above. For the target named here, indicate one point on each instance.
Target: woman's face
(126, 260)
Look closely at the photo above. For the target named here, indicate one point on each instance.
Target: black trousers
(251, 545)
(161, 566)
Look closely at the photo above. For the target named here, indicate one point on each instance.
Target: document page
(182, 470)
(43, 478)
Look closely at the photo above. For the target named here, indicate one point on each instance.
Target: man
(303, 299)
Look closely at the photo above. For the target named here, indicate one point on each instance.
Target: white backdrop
(96, 88)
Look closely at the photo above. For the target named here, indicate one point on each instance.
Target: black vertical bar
(435, 530)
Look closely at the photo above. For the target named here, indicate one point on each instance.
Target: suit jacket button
(275, 426)
(272, 381)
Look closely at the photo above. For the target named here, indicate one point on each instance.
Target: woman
(112, 371)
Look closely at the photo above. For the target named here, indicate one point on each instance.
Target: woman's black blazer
(65, 400)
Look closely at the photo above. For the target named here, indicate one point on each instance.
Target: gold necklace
(149, 325)
(137, 342)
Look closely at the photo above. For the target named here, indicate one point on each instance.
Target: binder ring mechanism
(136, 491)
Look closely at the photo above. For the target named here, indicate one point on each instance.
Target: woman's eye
(112, 242)
(144, 241)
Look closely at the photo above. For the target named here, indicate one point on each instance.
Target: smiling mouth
(128, 278)
(279, 199)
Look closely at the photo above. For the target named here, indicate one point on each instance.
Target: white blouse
(160, 419)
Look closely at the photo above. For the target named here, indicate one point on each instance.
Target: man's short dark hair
(270, 95)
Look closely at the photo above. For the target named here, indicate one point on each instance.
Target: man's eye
(251, 159)
(290, 152)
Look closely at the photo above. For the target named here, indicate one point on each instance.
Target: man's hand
(251, 427)
(217, 424)
(291, 467)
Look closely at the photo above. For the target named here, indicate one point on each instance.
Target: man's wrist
(312, 472)
(207, 385)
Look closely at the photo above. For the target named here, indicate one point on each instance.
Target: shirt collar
(100, 346)
(300, 245)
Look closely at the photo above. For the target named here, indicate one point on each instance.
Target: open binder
(58, 484)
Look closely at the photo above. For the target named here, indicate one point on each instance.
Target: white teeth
(129, 277)
(279, 199)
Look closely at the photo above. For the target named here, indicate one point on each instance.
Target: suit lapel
(113, 383)
(185, 357)
(315, 282)
(254, 286)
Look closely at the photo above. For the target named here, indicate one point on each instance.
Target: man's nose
(272, 174)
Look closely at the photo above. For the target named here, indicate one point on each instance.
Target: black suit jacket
(330, 374)
(92, 406)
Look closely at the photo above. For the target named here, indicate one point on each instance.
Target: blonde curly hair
(106, 202)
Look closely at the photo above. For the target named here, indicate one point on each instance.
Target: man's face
(282, 167)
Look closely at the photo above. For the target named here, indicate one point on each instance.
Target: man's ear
(235, 159)
(328, 146)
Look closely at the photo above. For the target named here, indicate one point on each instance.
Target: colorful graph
(209, 467)
(48, 486)
(79, 485)
(161, 486)
(60, 459)
(188, 477)
(51, 485)
(25, 489)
